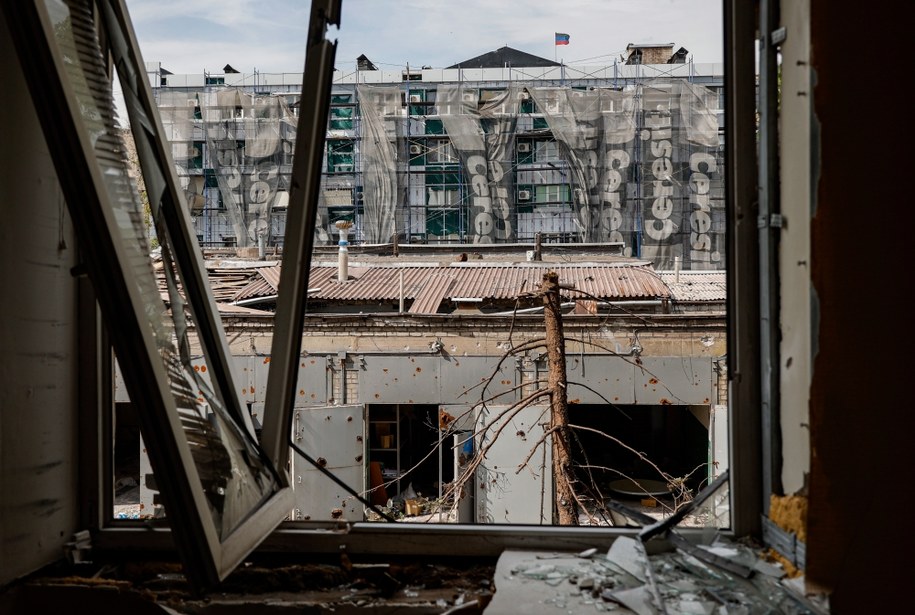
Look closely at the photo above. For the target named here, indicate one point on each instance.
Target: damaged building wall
(365, 360)
(39, 488)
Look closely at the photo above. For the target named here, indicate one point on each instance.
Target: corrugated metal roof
(238, 310)
(493, 282)
(696, 285)
(433, 293)
(271, 275)
(258, 286)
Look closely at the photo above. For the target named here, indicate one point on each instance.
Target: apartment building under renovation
(499, 148)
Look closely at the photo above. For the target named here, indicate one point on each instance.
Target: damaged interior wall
(861, 423)
(796, 292)
(39, 341)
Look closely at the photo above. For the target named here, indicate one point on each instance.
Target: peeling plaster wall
(796, 198)
(38, 387)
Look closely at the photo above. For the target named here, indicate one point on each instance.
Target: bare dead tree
(572, 494)
(566, 504)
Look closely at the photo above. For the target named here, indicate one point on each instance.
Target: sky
(193, 36)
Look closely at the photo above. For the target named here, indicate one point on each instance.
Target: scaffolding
(557, 154)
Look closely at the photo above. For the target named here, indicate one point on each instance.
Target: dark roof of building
(648, 45)
(679, 56)
(502, 57)
(365, 64)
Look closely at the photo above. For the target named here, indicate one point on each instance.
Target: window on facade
(439, 223)
(546, 151)
(341, 112)
(434, 127)
(443, 187)
(553, 195)
(196, 159)
(415, 100)
(440, 151)
(340, 156)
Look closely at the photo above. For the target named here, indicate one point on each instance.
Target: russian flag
(562, 39)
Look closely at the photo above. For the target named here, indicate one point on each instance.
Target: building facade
(496, 149)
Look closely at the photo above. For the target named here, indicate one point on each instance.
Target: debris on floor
(263, 587)
(628, 579)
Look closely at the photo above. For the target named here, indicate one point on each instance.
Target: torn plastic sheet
(245, 139)
(484, 138)
(597, 130)
(383, 195)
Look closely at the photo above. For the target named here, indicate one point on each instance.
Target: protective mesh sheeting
(680, 195)
(383, 194)
(247, 149)
(661, 193)
(484, 138)
(597, 131)
(178, 112)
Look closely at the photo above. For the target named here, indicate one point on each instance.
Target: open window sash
(222, 492)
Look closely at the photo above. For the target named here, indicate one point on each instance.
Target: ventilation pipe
(677, 269)
(343, 227)
(262, 246)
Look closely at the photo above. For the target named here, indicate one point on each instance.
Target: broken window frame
(210, 543)
(490, 540)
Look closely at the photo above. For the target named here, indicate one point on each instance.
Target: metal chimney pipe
(343, 252)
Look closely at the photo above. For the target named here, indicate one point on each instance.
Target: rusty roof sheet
(238, 310)
(493, 282)
(696, 285)
(429, 299)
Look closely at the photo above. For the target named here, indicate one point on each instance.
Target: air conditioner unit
(344, 168)
(469, 96)
(359, 196)
(416, 149)
(525, 95)
(524, 195)
(416, 98)
(524, 147)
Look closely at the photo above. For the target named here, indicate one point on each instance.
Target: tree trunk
(565, 504)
